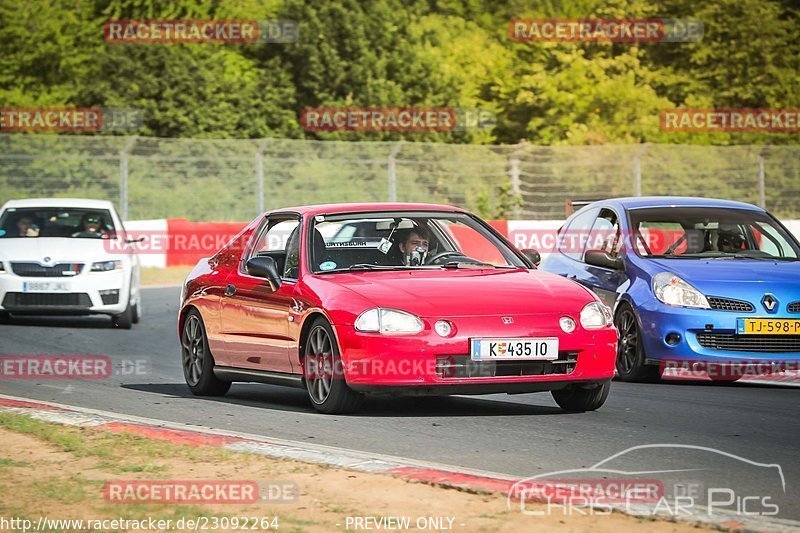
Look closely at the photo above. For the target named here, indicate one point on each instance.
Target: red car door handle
(230, 290)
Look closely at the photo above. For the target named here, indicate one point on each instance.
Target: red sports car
(349, 299)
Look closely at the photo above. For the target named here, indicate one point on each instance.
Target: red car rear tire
(197, 360)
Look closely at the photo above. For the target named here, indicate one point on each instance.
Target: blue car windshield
(702, 232)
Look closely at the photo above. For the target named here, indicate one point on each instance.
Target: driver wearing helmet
(729, 240)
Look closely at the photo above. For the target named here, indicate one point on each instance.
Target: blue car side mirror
(603, 260)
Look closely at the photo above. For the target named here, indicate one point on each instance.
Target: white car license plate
(45, 286)
(537, 349)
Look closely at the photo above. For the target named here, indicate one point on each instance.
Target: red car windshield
(406, 240)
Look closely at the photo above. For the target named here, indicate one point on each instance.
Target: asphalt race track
(522, 435)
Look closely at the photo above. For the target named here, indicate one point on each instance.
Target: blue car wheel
(630, 349)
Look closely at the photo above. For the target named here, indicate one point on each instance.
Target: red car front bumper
(427, 363)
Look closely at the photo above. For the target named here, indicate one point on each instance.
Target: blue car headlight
(672, 290)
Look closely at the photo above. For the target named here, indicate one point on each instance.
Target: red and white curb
(448, 476)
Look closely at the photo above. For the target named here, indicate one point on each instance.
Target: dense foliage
(406, 53)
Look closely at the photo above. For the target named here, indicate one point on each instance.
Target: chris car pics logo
(669, 480)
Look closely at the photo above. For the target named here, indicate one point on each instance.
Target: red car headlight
(388, 322)
(595, 315)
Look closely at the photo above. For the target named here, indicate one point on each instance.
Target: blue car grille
(794, 307)
(750, 343)
(728, 304)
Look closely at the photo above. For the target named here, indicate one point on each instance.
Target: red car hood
(435, 293)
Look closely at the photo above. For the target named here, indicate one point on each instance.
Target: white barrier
(134, 228)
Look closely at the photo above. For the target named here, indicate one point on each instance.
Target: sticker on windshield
(327, 265)
(347, 244)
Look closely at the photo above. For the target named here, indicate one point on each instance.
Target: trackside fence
(231, 180)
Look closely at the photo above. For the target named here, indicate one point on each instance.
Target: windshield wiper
(370, 266)
(763, 257)
(467, 264)
(367, 266)
(451, 264)
(746, 256)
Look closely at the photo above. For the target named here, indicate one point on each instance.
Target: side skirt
(227, 373)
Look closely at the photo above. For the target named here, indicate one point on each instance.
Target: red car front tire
(324, 373)
(578, 397)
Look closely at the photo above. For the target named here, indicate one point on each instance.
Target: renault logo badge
(769, 302)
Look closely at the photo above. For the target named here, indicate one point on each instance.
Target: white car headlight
(595, 315)
(672, 290)
(105, 266)
(388, 321)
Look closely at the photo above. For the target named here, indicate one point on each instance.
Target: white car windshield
(77, 223)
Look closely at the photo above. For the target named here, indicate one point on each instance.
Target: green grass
(116, 453)
(69, 491)
(5, 463)
(119, 452)
(69, 441)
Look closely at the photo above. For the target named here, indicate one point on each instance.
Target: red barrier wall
(188, 242)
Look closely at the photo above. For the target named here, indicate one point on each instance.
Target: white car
(67, 257)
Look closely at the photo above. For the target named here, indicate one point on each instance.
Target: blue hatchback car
(692, 281)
